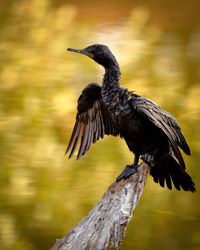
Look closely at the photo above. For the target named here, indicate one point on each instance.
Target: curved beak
(81, 51)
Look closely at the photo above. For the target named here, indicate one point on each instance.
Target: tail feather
(168, 170)
(168, 178)
(175, 177)
(162, 177)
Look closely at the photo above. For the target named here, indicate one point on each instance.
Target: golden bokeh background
(42, 193)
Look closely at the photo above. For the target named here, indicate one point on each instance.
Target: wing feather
(76, 139)
(164, 121)
(73, 136)
(83, 142)
(93, 121)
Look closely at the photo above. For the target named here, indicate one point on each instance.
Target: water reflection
(42, 194)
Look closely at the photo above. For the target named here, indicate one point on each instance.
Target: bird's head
(99, 53)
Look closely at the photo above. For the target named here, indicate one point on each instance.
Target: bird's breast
(117, 103)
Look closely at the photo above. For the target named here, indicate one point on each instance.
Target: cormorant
(149, 131)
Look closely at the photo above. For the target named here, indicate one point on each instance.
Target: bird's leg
(129, 169)
(148, 159)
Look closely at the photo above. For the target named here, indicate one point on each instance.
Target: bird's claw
(129, 170)
(148, 159)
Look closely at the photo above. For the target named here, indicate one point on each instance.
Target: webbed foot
(129, 170)
(148, 159)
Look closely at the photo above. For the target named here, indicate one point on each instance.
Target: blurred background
(42, 193)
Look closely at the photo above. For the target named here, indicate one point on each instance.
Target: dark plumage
(149, 131)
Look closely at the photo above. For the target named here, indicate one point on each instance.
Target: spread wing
(164, 121)
(93, 121)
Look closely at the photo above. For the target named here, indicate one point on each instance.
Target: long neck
(112, 75)
(110, 83)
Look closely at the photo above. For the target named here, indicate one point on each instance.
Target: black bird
(149, 131)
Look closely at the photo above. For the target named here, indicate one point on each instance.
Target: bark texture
(104, 226)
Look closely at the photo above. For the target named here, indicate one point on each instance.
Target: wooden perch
(104, 226)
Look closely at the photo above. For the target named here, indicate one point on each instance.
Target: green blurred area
(42, 193)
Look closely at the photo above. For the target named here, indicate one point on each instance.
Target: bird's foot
(129, 170)
(148, 159)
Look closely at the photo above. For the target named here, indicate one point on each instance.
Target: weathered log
(104, 226)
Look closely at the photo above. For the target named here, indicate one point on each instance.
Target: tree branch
(104, 226)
